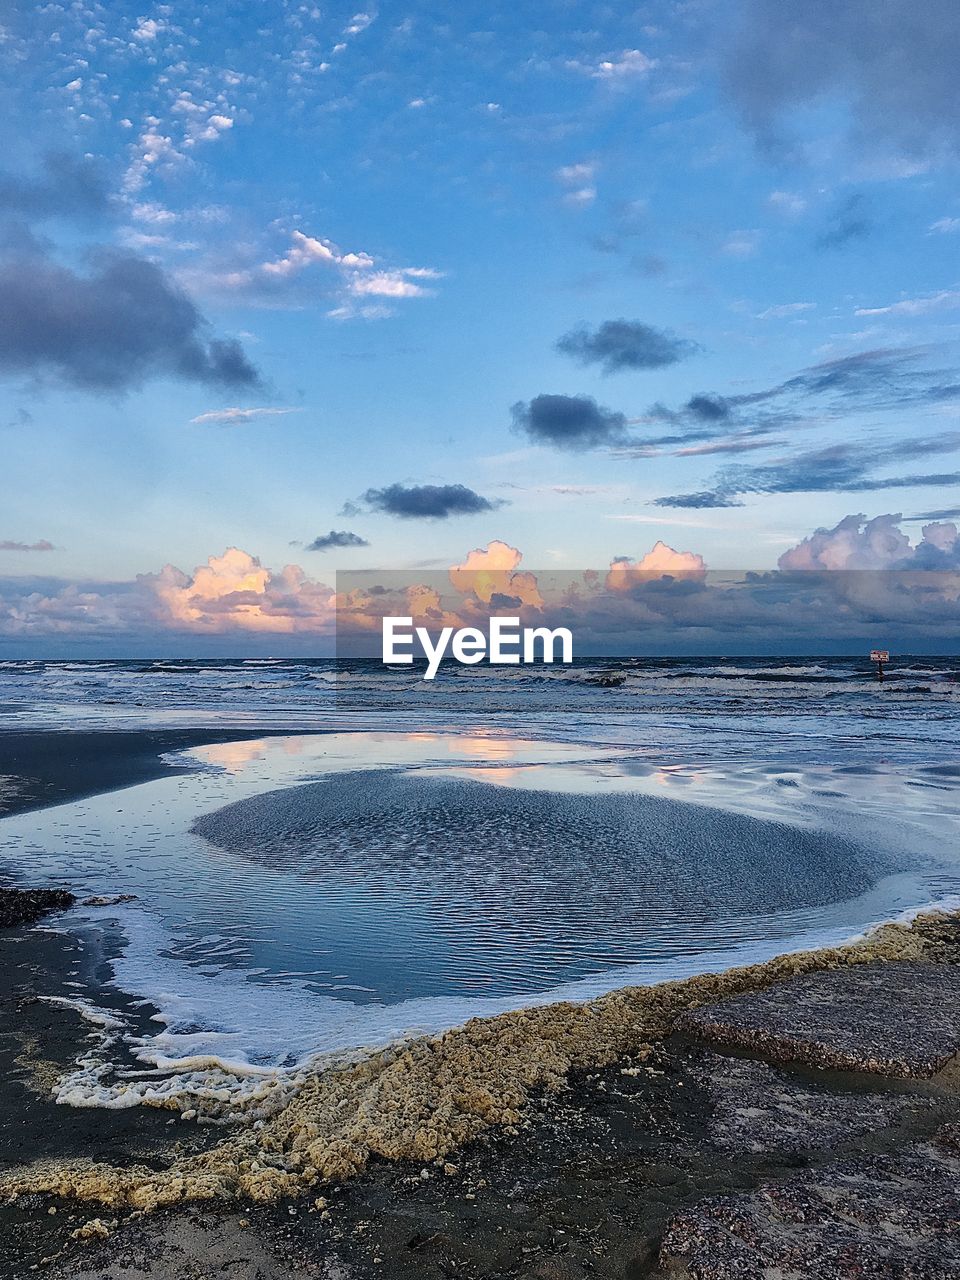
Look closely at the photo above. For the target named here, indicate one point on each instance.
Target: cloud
(352, 277)
(661, 559)
(232, 594)
(945, 226)
(65, 186)
(847, 223)
(945, 300)
(945, 513)
(110, 330)
(236, 592)
(893, 65)
(490, 573)
(569, 422)
(787, 203)
(626, 344)
(234, 417)
(616, 68)
(741, 244)
(575, 175)
(359, 22)
(859, 543)
(664, 601)
(703, 500)
(337, 538)
(428, 501)
(785, 309)
(841, 468)
(7, 544)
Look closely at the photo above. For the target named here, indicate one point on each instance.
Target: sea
(375, 857)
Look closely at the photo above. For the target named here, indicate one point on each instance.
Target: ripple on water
(458, 884)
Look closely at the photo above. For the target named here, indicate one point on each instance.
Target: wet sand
(43, 767)
(673, 1158)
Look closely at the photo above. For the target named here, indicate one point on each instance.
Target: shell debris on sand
(420, 1101)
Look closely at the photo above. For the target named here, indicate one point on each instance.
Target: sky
(287, 289)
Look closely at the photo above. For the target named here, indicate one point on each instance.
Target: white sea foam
(230, 1046)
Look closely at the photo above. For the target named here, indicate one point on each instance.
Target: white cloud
(945, 226)
(787, 202)
(152, 212)
(386, 284)
(945, 300)
(580, 198)
(147, 29)
(572, 175)
(234, 417)
(621, 66)
(359, 22)
(741, 244)
(786, 309)
(304, 251)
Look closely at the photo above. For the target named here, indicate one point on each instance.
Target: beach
(656, 1152)
(189, 1096)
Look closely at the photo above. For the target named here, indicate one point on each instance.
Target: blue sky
(293, 270)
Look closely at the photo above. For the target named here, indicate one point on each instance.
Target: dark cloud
(569, 422)
(336, 538)
(697, 501)
(946, 513)
(904, 482)
(65, 186)
(8, 544)
(124, 322)
(708, 408)
(429, 501)
(842, 468)
(879, 380)
(847, 223)
(626, 344)
(893, 63)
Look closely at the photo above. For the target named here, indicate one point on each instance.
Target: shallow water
(315, 893)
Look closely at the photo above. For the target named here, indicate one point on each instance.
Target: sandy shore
(701, 1129)
(40, 767)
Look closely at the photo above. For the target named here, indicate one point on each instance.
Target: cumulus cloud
(7, 544)
(664, 601)
(859, 543)
(236, 592)
(893, 64)
(626, 344)
(490, 573)
(661, 560)
(111, 329)
(428, 501)
(232, 594)
(569, 422)
(311, 263)
(337, 538)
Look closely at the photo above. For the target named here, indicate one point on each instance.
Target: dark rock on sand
(759, 1109)
(24, 906)
(870, 1216)
(899, 1018)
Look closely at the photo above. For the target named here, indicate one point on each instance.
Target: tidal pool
(315, 894)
